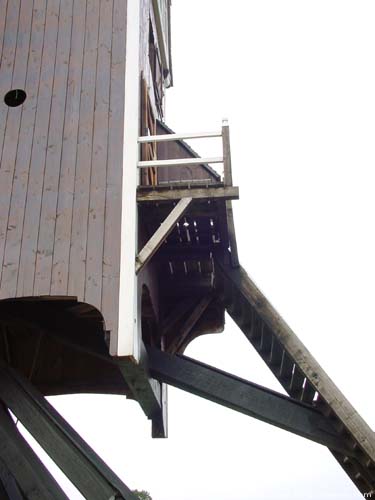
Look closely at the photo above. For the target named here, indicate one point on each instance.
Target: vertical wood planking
(6, 71)
(17, 204)
(96, 220)
(59, 285)
(77, 262)
(112, 243)
(43, 271)
(3, 10)
(38, 158)
(8, 24)
(62, 188)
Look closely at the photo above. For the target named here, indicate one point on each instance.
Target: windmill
(118, 248)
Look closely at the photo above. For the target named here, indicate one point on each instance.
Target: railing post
(228, 181)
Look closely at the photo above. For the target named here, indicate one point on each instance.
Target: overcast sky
(296, 80)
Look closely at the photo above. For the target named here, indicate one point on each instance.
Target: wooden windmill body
(117, 249)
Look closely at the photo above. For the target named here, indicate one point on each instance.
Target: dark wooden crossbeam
(22, 474)
(92, 477)
(245, 397)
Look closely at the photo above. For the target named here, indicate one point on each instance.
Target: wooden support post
(243, 396)
(228, 181)
(161, 233)
(147, 391)
(232, 235)
(76, 459)
(23, 467)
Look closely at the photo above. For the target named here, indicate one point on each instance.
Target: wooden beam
(181, 335)
(9, 488)
(167, 194)
(125, 341)
(176, 314)
(178, 137)
(228, 181)
(161, 234)
(356, 426)
(76, 459)
(23, 466)
(232, 234)
(147, 391)
(180, 162)
(245, 397)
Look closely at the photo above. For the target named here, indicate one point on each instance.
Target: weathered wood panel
(96, 218)
(38, 156)
(20, 182)
(42, 284)
(112, 244)
(61, 152)
(7, 148)
(59, 284)
(10, 260)
(77, 267)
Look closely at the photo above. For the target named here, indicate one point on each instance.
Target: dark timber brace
(24, 476)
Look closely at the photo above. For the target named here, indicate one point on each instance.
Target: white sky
(296, 80)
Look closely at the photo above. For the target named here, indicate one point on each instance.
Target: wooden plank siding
(20, 181)
(61, 152)
(113, 199)
(6, 69)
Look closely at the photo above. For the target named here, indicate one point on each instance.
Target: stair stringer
(297, 370)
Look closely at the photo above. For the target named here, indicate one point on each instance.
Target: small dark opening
(15, 98)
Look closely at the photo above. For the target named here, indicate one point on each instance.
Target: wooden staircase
(298, 372)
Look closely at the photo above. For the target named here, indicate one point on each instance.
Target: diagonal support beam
(92, 477)
(178, 342)
(359, 429)
(161, 233)
(18, 462)
(245, 397)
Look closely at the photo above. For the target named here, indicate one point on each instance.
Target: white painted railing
(184, 162)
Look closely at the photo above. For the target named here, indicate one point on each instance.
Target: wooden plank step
(296, 383)
(276, 354)
(286, 368)
(265, 341)
(308, 393)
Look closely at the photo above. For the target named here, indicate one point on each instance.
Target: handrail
(178, 137)
(183, 162)
(179, 162)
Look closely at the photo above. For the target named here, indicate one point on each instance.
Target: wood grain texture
(43, 271)
(167, 194)
(38, 156)
(62, 152)
(96, 217)
(59, 281)
(77, 262)
(8, 137)
(20, 182)
(12, 134)
(112, 244)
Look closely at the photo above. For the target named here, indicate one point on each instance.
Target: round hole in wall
(15, 97)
